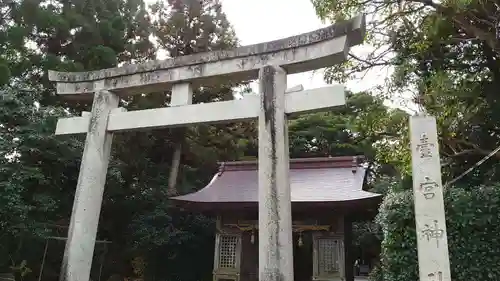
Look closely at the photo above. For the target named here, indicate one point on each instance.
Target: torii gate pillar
(270, 62)
(275, 212)
(77, 260)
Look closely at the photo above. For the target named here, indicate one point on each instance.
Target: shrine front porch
(320, 251)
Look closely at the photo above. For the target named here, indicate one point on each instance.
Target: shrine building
(327, 196)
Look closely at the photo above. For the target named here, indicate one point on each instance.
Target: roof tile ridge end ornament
(354, 28)
(222, 168)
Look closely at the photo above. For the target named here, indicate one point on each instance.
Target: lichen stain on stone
(170, 74)
(268, 88)
(93, 123)
(113, 82)
(263, 59)
(196, 70)
(99, 99)
(350, 26)
(64, 269)
(272, 274)
(148, 77)
(241, 64)
(290, 54)
(144, 77)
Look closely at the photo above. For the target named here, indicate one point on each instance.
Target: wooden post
(77, 260)
(432, 241)
(275, 216)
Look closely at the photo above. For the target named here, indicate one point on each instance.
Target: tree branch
(472, 148)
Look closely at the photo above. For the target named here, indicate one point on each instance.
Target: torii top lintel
(308, 51)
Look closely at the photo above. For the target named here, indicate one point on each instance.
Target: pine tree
(185, 27)
(38, 171)
(91, 34)
(71, 36)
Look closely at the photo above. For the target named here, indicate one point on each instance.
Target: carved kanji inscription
(424, 147)
(433, 232)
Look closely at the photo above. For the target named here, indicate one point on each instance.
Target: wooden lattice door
(227, 257)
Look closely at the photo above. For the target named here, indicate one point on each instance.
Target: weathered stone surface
(182, 94)
(274, 60)
(432, 241)
(275, 211)
(207, 113)
(82, 232)
(313, 50)
(353, 28)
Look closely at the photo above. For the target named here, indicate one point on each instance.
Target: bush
(473, 227)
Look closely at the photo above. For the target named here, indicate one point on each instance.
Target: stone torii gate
(269, 62)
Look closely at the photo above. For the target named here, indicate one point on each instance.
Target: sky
(257, 21)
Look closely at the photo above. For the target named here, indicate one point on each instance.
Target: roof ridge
(298, 163)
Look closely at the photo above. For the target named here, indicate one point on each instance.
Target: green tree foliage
(151, 239)
(36, 170)
(136, 216)
(71, 35)
(62, 35)
(445, 60)
(456, 79)
(365, 126)
(472, 221)
(168, 240)
(394, 20)
(191, 26)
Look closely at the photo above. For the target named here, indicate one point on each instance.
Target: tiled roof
(335, 179)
